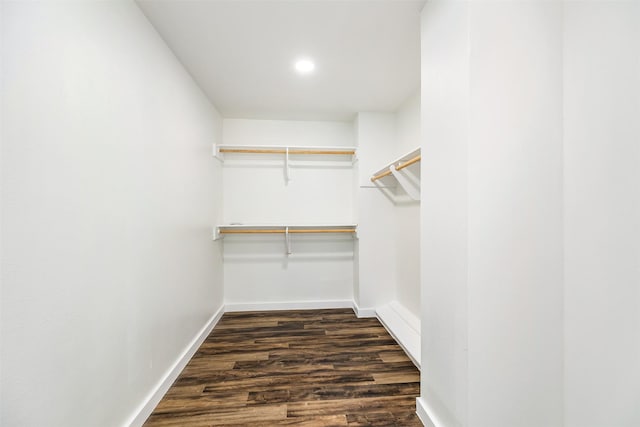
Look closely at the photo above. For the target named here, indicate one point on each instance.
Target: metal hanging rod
(399, 167)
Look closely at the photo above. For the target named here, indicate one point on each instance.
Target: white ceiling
(241, 53)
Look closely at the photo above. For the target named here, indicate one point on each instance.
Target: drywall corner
(363, 312)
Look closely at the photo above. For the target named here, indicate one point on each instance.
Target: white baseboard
(422, 413)
(363, 312)
(295, 305)
(146, 408)
(403, 326)
(427, 415)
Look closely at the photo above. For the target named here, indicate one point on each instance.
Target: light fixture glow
(304, 66)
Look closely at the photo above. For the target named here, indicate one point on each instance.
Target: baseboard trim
(396, 320)
(293, 305)
(363, 312)
(145, 409)
(421, 412)
(426, 415)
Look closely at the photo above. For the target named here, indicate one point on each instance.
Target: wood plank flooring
(294, 368)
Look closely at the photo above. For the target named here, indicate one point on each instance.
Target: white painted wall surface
(444, 111)
(515, 215)
(602, 213)
(407, 211)
(109, 194)
(388, 254)
(2, 25)
(257, 269)
(255, 190)
(376, 214)
(547, 288)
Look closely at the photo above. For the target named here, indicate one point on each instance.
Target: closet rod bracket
(406, 185)
(216, 153)
(287, 240)
(287, 176)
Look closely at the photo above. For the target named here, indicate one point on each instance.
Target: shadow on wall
(272, 248)
(394, 192)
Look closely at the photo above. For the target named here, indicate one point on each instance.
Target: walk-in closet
(319, 213)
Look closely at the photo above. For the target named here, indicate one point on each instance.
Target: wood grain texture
(293, 151)
(312, 368)
(291, 231)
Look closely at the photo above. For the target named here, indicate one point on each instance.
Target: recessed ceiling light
(304, 66)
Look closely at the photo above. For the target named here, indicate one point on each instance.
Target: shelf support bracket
(406, 185)
(286, 165)
(217, 154)
(287, 240)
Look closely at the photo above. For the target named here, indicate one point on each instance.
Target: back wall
(257, 269)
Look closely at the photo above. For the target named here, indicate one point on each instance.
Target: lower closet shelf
(221, 230)
(285, 229)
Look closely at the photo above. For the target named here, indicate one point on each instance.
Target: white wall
(602, 213)
(515, 215)
(388, 251)
(389, 220)
(257, 269)
(376, 215)
(512, 170)
(109, 194)
(530, 238)
(2, 132)
(319, 190)
(444, 212)
(407, 211)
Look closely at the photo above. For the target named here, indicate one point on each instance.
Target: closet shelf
(397, 165)
(286, 229)
(220, 150)
(221, 230)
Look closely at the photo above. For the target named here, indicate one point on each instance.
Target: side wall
(445, 122)
(497, 223)
(109, 194)
(376, 213)
(602, 213)
(389, 244)
(531, 232)
(515, 258)
(407, 213)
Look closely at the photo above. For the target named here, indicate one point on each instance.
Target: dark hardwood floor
(294, 368)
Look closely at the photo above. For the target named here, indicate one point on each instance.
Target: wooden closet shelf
(288, 150)
(399, 164)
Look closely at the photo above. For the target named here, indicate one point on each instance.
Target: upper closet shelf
(286, 150)
(397, 165)
(220, 150)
